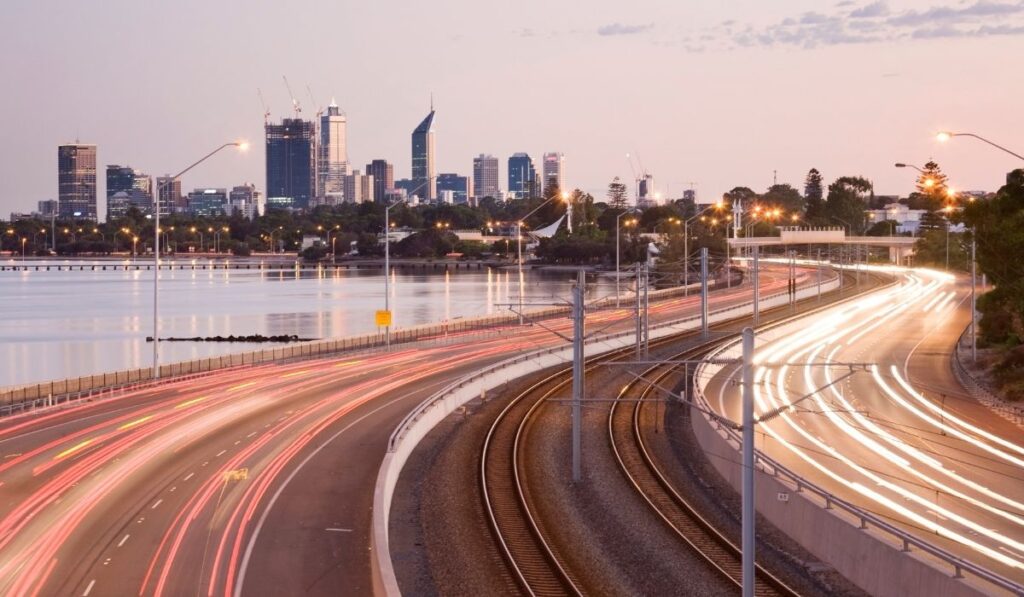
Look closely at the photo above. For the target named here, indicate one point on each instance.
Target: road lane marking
(123, 539)
(173, 488)
(12, 455)
(88, 589)
(336, 530)
(238, 442)
(296, 374)
(240, 386)
(206, 463)
(134, 423)
(157, 503)
(190, 475)
(74, 448)
(190, 402)
(219, 454)
(251, 434)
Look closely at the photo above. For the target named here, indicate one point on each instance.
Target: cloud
(874, 21)
(620, 29)
(873, 10)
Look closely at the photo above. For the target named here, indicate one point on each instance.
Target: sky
(702, 93)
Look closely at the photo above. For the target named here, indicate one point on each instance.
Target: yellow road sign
(383, 318)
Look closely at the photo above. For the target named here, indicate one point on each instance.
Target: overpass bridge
(900, 247)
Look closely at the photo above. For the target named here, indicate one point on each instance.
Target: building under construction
(291, 163)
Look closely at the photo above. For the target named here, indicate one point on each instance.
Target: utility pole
(704, 292)
(756, 250)
(792, 279)
(579, 315)
(748, 460)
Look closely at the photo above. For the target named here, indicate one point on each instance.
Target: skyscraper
(383, 175)
(423, 165)
(460, 186)
(333, 164)
(485, 177)
(291, 163)
(522, 177)
(553, 171)
(76, 181)
(171, 200)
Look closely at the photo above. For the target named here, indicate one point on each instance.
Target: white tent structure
(547, 231)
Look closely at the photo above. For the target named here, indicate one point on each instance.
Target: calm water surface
(66, 324)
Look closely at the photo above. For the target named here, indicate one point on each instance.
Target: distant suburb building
(76, 181)
(208, 202)
(291, 163)
(461, 187)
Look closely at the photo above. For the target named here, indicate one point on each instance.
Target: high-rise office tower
(358, 187)
(460, 186)
(246, 200)
(333, 164)
(383, 175)
(485, 177)
(291, 163)
(553, 171)
(522, 177)
(171, 199)
(76, 181)
(423, 165)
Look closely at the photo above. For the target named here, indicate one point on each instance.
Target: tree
(617, 196)
(847, 199)
(814, 197)
(931, 185)
(785, 197)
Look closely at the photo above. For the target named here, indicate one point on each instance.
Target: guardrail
(18, 399)
(829, 501)
(977, 389)
(418, 422)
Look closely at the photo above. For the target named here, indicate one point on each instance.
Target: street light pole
(974, 307)
(156, 249)
(387, 270)
(946, 136)
(618, 246)
(519, 245)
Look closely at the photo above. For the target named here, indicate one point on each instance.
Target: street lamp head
(900, 165)
(929, 182)
(242, 145)
(951, 193)
(943, 136)
(565, 196)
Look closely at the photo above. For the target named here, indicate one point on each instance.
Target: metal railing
(866, 520)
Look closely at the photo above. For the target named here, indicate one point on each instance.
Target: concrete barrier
(875, 555)
(434, 409)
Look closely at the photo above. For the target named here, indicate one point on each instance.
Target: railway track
(536, 565)
(643, 473)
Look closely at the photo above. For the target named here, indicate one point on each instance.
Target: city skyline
(851, 90)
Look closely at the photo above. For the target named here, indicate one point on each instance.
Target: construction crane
(319, 108)
(266, 110)
(295, 103)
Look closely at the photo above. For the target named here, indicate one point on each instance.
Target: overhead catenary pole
(647, 309)
(819, 274)
(579, 316)
(748, 461)
(974, 306)
(639, 323)
(704, 292)
(756, 250)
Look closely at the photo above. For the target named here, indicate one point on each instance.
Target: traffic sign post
(383, 318)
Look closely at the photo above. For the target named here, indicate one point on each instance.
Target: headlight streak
(777, 351)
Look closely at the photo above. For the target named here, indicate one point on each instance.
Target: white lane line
(251, 434)
(188, 477)
(173, 488)
(88, 589)
(238, 442)
(336, 530)
(206, 463)
(219, 454)
(155, 504)
(123, 539)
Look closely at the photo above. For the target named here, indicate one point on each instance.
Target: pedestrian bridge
(899, 246)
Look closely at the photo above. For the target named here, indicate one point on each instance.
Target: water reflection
(65, 324)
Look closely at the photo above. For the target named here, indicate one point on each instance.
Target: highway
(251, 481)
(884, 424)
